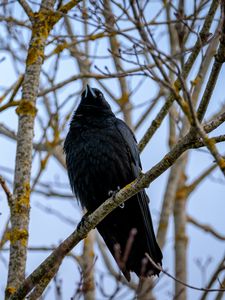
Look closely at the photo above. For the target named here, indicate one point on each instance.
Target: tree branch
(27, 9)
(158, 267)
(101, 212)
(206, 228)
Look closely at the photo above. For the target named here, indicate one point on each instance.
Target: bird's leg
(113, 195)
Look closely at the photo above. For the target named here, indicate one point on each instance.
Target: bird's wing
(143, 200)
(131, 145)
(153, 247)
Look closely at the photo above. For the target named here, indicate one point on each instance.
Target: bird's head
(93, 100)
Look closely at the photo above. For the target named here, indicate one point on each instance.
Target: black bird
(101, 157)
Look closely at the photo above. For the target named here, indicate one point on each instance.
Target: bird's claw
(113, 193)
(122, 205)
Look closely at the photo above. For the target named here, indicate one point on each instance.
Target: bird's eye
(100, 95)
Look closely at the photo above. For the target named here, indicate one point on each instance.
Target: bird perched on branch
(101, 157)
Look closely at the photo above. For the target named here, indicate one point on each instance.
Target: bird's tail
(151, 246)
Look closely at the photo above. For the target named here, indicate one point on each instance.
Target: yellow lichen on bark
(98, 36)
(40, 31)
(61, 47)
(19, 235)
(44, 162)
(181, 193)
(210, 142)
(26, 108)
(186, 110)
(222, 163)
(10, 290)
(176, 86)
(86, 243)
(162, 226)
(33, 55)
(124, 99)
(22, 203)
(196, 80)
(182, 237)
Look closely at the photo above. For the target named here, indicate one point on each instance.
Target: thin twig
(6, 190)
(158, 267)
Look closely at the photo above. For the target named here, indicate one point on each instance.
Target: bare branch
(181, 282)
(205, 227)
(27, 9)
(214, 277)
(6, 190)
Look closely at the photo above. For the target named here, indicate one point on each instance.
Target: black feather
(102, 155)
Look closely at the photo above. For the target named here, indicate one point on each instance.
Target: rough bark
(181, 239)
(20, 208)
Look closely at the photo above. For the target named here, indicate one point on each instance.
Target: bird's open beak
(89, 90)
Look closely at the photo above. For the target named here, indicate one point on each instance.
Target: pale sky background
(207, 204)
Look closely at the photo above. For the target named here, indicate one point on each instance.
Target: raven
(101, 157)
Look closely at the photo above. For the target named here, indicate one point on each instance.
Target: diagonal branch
(91, 221)
(205, 227)
(6, 190)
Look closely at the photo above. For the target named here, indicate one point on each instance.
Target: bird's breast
(100, 165)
